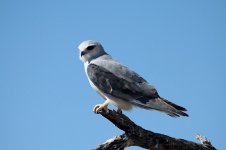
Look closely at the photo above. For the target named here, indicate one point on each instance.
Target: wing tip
(184, 114)
(178, 114)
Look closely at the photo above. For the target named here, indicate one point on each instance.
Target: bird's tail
(163, 105)
(174, 109)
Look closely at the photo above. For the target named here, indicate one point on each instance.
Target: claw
(99, 107)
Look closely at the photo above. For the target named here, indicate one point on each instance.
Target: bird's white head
(90, 50)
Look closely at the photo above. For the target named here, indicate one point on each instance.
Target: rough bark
(137, 136)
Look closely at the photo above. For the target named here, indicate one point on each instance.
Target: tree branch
(137, 136)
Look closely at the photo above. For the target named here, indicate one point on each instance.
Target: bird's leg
(97, 108)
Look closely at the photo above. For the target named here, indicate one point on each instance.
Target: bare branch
(137, 136)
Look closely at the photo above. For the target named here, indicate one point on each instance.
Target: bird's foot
(99, 107)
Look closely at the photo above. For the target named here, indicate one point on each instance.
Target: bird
(119, 85)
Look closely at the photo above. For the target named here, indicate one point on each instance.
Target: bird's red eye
(90, 47)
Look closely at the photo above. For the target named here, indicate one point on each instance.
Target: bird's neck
(102, 54)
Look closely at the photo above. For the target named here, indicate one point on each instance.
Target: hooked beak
(83, 53)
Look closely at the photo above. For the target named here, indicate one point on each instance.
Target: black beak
(83, 53)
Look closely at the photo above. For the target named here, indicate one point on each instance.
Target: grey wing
(131, 88)
(124, 84)
(118, 69)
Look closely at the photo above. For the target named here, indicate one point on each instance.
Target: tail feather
(177, 110)
(162, 105)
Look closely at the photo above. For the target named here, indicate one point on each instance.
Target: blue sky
(45, 99)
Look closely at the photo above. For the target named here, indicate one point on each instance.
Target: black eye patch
(90, 47)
